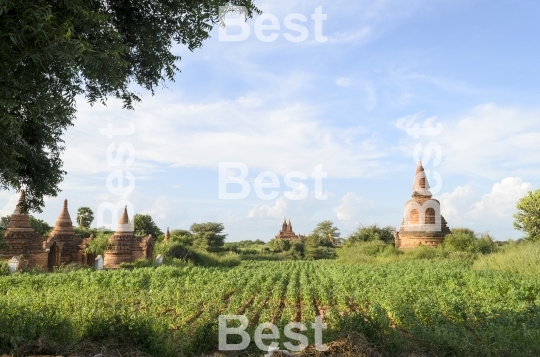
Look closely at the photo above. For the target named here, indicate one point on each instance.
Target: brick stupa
(125, 246)
(423, 223)
(63, 244)
(21, 239)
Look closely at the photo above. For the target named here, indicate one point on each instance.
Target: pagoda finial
(20, 203)
(125, 218)
(167, 234)
(123, 223)
(420, 183)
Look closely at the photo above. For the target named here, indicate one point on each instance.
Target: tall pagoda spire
(167, 235)
(123, 223)
(63, 223)
(420, 183)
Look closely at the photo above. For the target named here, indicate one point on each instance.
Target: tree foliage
(371, 233)
(182, 236)
(326, 233)
(316, 246)
(466, 240)
(279, 245)
(40, 226)
(85, 216)
(53, 51)
(527, 218)
(99, 244)
(4, 223)
(208, 236)
(145, 225)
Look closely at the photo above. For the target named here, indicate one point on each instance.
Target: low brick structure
(422, 223)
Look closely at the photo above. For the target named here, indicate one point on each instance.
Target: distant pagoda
(423, 223)
(286, 231)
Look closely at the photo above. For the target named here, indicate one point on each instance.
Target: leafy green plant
(527, 218)
(99, 244)
(371, 233)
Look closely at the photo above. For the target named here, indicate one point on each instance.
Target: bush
(424, 252)
(4, 269)
(66, 268)
(367, 251)
(459, 241)
(378, 252)
(465, 240)
(182, 236)
(371, 233)
(99, 244)
(139, 263)
(279, 245)
(174, 250)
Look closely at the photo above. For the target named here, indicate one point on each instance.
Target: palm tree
(85, 216)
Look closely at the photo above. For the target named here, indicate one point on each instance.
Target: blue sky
(346, 103)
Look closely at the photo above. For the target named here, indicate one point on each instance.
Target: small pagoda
(125, 246)
(22, 240)
(423, 223)
(63, 245)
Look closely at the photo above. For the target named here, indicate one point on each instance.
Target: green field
(432, 307)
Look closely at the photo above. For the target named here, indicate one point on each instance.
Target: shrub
(371, 233)
(465, 240)
(65, 268)
(279, 245)
(99, 244)
(424, 252)
(527, 218)
(4, 269)
(174, 250)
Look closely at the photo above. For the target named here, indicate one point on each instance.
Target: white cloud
(285, 207)
(159, 209)
(409, 121)
(489, 141)
(352, 206)
(169, 132)
(500, 203)
(344, 82)
(456, 203)
(9, 207)
(360, 35)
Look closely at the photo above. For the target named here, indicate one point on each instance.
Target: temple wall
(112, 260)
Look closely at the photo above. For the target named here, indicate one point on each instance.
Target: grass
(523, 258)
